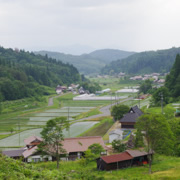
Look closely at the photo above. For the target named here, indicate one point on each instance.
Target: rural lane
(105, 110)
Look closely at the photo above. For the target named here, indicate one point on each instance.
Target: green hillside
(24, 74)
(173, 79)
(145, 62)
(89, 63)
(109, 55)
(163, 168)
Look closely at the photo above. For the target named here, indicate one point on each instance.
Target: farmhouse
(129, 119)
(75, 148)
(125, 159)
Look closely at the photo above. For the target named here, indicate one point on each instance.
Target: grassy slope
(99, 129)
(163, 168)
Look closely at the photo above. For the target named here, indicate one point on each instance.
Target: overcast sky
(62, 25)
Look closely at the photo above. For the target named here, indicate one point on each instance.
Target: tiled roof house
(129, 119)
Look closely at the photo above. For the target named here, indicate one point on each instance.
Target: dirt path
(50, 101)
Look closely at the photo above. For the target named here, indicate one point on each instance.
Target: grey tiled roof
(132, 115)
(137, 110)
(14, 153)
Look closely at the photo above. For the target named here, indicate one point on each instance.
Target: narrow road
(50, 102)
(105, 110)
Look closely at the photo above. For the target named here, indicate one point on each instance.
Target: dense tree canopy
(160, 93)
(146, 87)
(173, 79)
(22, 74)
(119, 110)
(145, 62)
(157, 134)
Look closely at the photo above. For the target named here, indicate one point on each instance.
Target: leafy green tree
(157, 134)
(146, 86)
(96, 148)
(118, 111)
(175, 127)
(89, 156)
(139, 139)
(157, 95)
(119, 146)
(52, 135)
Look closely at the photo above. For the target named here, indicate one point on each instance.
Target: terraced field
(18, 139)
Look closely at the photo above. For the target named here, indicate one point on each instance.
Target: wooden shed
(125, 159)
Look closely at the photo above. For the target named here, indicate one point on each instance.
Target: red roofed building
(123, 160)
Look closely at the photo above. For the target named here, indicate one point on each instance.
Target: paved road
(105, 110)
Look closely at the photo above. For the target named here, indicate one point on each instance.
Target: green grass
(163, 167)
(114, 83)
(168, 110)
(2, 136)
(99, 129)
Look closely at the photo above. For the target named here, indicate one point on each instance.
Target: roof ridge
(85, 137)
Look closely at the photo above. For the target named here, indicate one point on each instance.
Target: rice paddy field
(18, 139)
(21, 124)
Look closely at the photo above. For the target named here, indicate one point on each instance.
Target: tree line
(145, 62)
(23, 74)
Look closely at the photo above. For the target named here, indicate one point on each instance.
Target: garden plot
(74, 130)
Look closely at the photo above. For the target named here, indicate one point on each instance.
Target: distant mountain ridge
(88, 63)
(159, 61)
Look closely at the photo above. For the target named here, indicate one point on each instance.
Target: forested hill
(89, 63)
(173, 79)
(145, 62)
(109, 55)
(22, 74)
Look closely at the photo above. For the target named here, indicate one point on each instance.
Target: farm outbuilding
(125, 159)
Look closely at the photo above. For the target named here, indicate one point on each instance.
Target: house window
(36, 159)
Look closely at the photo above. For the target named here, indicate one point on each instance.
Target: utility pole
(111, 99)
(19, 129)
(162, 102)
(139, 101)
(68, 120)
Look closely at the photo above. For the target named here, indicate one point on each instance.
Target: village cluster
(75, 147)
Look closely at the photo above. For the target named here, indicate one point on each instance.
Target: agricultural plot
(85, 103)
(69, 112)
(70, 109)
(78, 128)
(57, 114)
(18, 139)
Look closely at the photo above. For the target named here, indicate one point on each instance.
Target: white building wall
(40, 157)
